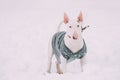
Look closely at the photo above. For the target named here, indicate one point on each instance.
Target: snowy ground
(25, 29)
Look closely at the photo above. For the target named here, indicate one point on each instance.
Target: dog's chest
(73, 45)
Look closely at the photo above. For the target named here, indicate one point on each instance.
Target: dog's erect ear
(66, 19)
(80, 18)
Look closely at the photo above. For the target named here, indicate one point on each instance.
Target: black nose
(74, 38)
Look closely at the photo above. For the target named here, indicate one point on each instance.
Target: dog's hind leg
(50, 55)
(49, 63)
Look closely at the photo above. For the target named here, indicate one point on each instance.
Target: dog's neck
(73, 45)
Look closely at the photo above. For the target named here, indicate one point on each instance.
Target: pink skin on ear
(80, 19)
(66, 19)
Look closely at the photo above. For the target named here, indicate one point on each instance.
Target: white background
(27, 25)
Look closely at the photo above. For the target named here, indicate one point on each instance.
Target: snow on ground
(27, 25)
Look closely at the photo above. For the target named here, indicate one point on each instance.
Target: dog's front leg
(61, 68)
(59, 71)
(81, 64)
(63, 65)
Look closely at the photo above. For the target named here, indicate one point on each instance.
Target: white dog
(68, 46)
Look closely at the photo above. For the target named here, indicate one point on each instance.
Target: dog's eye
(70, 26)
(77, 25)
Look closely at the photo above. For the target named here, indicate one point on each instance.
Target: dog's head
(74, 27)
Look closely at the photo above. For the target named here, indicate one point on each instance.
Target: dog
(68, 46)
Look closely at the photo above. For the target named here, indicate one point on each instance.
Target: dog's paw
(47, 73)
(60, 72)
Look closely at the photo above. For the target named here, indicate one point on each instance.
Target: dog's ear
(66, 19)
(80, 18)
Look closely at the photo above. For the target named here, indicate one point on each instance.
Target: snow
(27, 25)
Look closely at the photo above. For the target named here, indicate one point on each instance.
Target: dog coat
(59, 48)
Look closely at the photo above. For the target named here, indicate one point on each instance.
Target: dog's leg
(49, 63)
(63, 65)
(61, 68)
(50, 55)
(58, 68)
(81, 64)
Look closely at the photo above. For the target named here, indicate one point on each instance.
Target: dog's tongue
(75, 35)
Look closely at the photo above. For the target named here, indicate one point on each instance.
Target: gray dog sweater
(59, 48)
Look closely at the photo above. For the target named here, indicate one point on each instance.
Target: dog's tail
(58, 28)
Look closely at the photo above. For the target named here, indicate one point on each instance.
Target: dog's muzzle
(75, 35)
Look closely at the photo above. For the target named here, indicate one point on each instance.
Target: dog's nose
(75, 35)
